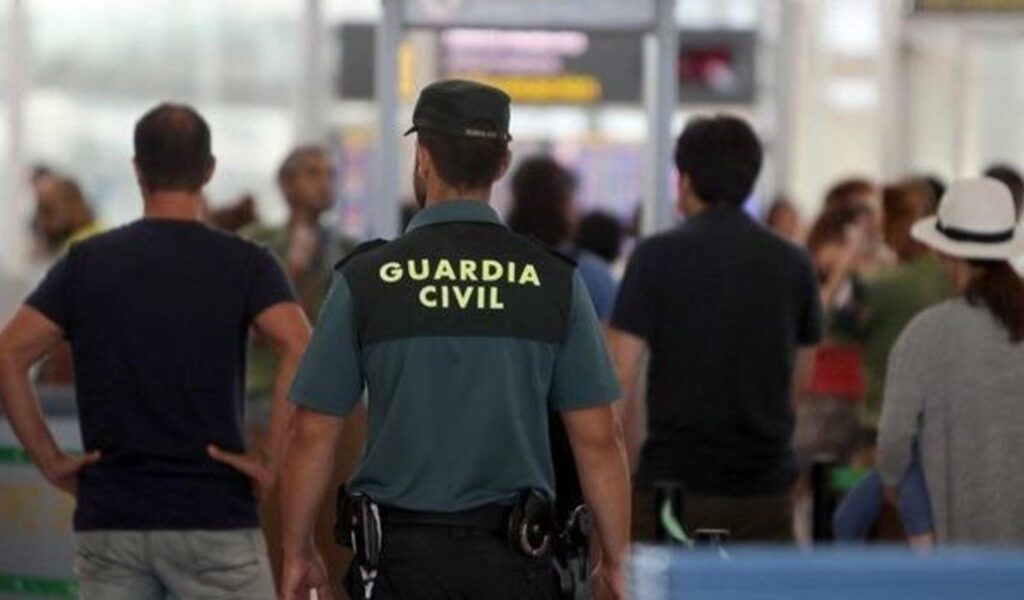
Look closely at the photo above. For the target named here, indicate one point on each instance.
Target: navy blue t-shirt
(723, 304)
(158, 314)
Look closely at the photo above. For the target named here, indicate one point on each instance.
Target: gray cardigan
(956, 382)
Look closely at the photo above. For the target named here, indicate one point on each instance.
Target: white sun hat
(976, 220)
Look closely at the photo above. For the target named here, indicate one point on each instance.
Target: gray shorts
(150, 565)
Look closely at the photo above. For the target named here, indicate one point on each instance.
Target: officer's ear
(506, 162)
(424, 162)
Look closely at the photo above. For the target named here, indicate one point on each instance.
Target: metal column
(661, 94)
(12, 221)
(310, 121)
(384, 213)
(894, 84)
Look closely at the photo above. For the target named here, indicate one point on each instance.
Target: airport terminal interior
(862, 107)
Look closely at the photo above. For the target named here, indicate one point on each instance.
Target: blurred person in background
(62, 218)
(309, 250)
(158, 313)
(937, 187)
(1011, 178)
(730, 315)
(600, 234)
(784, 219)
(851, 191)
(236, 216)
(956, 374)
(62, 215)
(895, 296)
(862, 194)
(544, 208)
(828, 418)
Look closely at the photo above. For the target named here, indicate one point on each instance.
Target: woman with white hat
(955, 383)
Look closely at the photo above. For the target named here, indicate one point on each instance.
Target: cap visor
(926, 232)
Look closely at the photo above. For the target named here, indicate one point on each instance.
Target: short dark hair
(938, 187)
(1011, 178)
(601, 234)
(722, 157)
(172, 148)
(463, 162)
(541, 192)
(291, 162)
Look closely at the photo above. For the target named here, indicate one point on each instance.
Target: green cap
(463, 108)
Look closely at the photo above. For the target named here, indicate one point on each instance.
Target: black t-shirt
(723, 304)
(158, 315)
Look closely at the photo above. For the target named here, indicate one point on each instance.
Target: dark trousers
(749, 519)
(428, 562)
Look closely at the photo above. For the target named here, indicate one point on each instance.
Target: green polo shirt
(466, 336)
(310, 287)
(891, 302)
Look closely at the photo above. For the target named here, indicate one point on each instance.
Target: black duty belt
(491, 518)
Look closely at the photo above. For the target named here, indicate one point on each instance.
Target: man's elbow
(9, 358)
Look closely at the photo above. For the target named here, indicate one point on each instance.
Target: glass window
(97, 65)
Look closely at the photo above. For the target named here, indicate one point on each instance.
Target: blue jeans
(860, 508)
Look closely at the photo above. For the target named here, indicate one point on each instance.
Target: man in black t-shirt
(158, 314)
(729, 313)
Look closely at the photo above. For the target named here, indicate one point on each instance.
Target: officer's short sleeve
(584, 376)
(330, 377)
(52, 296)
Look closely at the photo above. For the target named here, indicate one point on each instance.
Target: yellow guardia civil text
(465, 284)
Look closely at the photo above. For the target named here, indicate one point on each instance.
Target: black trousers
(433, 562)
(764, 519)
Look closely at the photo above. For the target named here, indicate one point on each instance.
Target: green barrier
(14, 455)
(672, 525)
(846, 478)
(38, 586)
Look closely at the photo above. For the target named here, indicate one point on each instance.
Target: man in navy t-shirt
(158, 314)
(729, 315)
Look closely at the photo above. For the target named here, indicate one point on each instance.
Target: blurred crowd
(873, 278)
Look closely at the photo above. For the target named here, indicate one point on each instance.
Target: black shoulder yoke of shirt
(461, 279)
(566, 258)
(572, 262)
(360, 249)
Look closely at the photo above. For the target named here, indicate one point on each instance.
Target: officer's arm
(600, 454)
(305, 477)
(628, 353)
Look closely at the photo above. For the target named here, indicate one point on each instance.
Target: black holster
(571, 554)
(531, 524)
(358, 526)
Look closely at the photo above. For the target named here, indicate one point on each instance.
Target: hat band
(962, 235)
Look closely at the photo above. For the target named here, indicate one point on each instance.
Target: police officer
(464, 335)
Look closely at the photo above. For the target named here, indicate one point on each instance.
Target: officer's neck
(443, 194)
